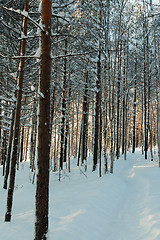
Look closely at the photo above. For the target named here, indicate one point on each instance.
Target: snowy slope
(122, 206)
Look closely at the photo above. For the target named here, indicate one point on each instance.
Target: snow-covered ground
(122, 206)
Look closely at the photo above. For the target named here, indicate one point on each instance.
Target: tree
(42, 188)
(134, 110)
(17, 119)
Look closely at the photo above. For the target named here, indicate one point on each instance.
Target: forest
(79, 82)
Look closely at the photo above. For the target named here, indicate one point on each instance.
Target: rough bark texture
(42, 190)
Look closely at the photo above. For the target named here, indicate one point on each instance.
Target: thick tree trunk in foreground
(42, 190)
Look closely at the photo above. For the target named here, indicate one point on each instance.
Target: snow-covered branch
(73, 54)
(54, 57)
(25, 14)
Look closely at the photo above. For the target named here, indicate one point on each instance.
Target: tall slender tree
(14, 159)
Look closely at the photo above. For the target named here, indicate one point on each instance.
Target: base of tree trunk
(8, 217)
(5, 186)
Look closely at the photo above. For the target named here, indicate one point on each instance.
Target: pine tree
(42, 186)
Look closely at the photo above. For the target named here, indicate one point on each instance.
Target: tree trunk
(134, 110)
(118, 104)
(17, 120)
(0, 127)
(85, 120)
(77, 120)
(106, 72)
(63, 110)
(33, 137)
(79, 146)
(42, 188)
(145, 90)
(4, 150)
(157, 98)
(142, 135)
(126, 103)
(97, 111)
(123, 99)
(9, 151)
(100, 137)
(22, 143)
(26, 146)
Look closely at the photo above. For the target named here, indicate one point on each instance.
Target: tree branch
(24, 14)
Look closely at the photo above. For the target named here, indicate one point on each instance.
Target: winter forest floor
(122, 206)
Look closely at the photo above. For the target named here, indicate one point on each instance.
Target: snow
(38, 52)
(40, 7)
(32, 88)
(123, 205)
(24, 13)
(41, 94)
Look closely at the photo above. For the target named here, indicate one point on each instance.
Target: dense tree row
(77, 78)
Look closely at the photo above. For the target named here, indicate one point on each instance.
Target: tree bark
(98, 100)
(118, 103)
(42, 187)
(97, 112)
(124, 99)
(157, 98)
(17, 120)
(126, 102)
(22, 143)
(145, 82)
(85, 120)
(9, 151)
(63, 110)
(134, 110)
